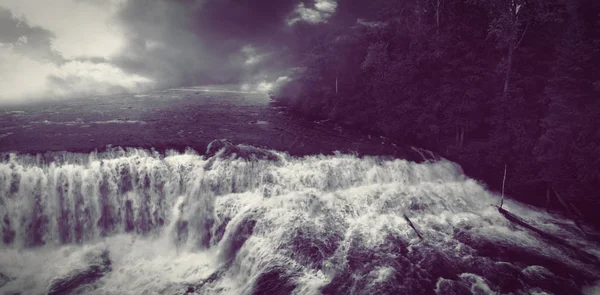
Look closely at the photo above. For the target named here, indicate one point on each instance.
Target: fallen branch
(581, 254)
(413, 226)
(503, 181)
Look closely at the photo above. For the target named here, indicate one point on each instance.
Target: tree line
(486, 83)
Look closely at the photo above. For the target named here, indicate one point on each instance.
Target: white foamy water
(81, 122)
(312, 225)
(119, 122)
(215, 89)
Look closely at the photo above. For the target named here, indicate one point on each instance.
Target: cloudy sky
(81, 48)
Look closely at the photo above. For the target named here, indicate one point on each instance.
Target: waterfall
(242, 220)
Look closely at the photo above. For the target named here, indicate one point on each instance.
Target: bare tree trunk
(437, 8)
(503, 181)
(548, 199)
(462, 135)
(511, 49)
(437, 17)
(418, 12)
(456, 142)
(563, 203)
(336, 85)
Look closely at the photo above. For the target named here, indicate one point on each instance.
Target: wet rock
(505, 276)
(8, 234)
(274, 281)
(215, 276)
(225, 149)
(384, 269)
(516, 254)
(80, 281)
(216, 145)
(237, 238)
(181, 234)
(220, 231)
(313, 248)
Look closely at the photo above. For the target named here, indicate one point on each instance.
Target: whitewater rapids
(249, 221)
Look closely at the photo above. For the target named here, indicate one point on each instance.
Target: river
(212, 190)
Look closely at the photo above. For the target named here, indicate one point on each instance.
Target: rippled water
(176, 119)
(243, 220)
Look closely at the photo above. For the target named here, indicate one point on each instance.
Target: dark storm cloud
(170, 43)
(191, 42)
(161, 45)
(226, 26)
(241, 21)
(32, 41)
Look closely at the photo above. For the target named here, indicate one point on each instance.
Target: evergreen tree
(487, 83)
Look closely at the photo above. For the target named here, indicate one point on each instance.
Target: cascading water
(247, 221)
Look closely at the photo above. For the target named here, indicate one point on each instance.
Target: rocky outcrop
(225, 149)
(81, 280)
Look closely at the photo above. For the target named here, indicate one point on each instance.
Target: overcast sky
(62, 48)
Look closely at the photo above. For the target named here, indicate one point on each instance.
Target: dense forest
(486, 83)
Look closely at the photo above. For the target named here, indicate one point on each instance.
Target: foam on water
(249, 221)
